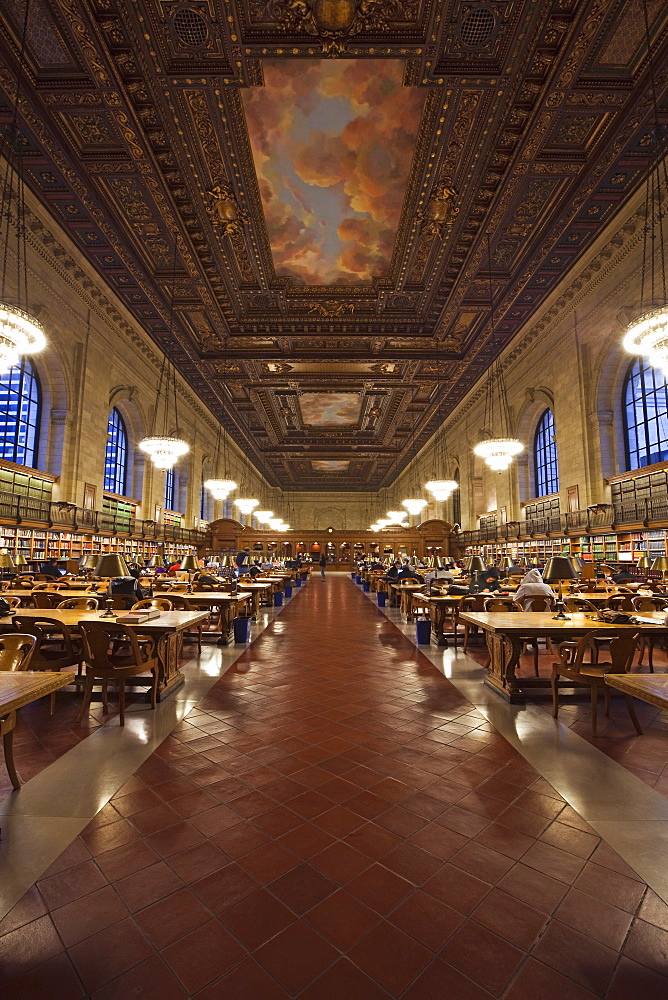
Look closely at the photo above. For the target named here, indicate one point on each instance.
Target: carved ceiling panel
(411, 144)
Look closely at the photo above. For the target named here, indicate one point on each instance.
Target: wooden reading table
(506, 631)
(19, 688)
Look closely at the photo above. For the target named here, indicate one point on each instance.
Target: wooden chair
(56, 645)
(113, 653)
(79, 604)
(13, 602)
(472, 603)
(154, 604)
(620, 602)
(180, 603)
(502, 604)
(571, 665)
(579, 605)
(16, 648)
(538, 604)
(41, 600)
(648, 604)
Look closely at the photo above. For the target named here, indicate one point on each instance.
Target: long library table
(227, 604)
(505, 633)
(168, 629)
(19, 688)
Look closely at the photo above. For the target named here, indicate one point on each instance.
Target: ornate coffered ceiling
(368, 144)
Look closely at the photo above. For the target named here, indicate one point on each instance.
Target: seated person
(623, 576)
(407, 573)
(128, 589)
(254, 571)
(532, 586)
(51, 569)
(442, 573)
(489, 582)
(393, 572)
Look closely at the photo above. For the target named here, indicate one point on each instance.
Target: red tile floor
(334, 820)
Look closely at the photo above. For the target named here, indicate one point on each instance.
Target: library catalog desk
(167, 629)
(506, 632)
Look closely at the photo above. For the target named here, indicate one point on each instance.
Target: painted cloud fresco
(330, 409)
(329, 465)
(332, 142)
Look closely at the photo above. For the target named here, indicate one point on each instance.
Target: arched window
(645, 415)
(545, 456)
(169, 489)
(116, 455)
(457, 502)
(19, 414)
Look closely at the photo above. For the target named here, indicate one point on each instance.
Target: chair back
(101, 640)
(180, 603)
(13, 602)
(44, 600)
(501, 604)
(538, 604)
(154, 603)
(79, 604)
(16, 649)
(472, 602)
(620, 602)
(54, 646)
(641, 603)
(622, 649)
(578, 604)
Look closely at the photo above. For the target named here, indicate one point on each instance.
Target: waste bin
(366, 587)
(241, 628)
(423, 630)
(288, 590)
(298, 582)
(358, 579)
(382, 597)
(278, 600)
(353, 575)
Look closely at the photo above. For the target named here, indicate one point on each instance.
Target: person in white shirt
(532, 585)
(441, 573)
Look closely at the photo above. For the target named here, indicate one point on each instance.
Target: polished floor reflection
(335, 818)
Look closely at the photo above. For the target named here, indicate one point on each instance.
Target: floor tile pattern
(335, 820)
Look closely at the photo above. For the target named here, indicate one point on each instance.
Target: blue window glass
(203, 503)
(645, 415)
(116, 455)
(19, 414)
(545, 456)
(169, 489)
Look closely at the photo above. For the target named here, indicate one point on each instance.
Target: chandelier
(246, 504)
(648, 335)
(442, 489)
(220, 489)
(165, 451)
(20, 333)
(497, 452)
(396, 516)
(414, 505)
(264, 516)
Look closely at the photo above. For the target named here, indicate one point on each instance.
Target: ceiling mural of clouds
(333, 143)
(330, 409)
(329, 465)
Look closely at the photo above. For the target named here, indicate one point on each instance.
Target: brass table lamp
(558, 569)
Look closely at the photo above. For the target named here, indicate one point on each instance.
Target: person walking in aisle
(322, 562)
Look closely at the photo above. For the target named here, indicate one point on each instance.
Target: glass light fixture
(648, 336)
(220, 489)
(263, 516)
(414, 505)
(246, 504)
(498, 453)
(275, 523)
(20, 334)
(164, 450)
(396, 516)
(442, 489)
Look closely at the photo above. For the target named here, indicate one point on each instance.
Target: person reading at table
(51, 569)
(489, 581)
(533, 585)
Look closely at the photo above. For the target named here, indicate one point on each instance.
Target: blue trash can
(241, 628)
(278, 600)
(298, 582)
(288, 590)
(366, 587)
(353, 575)
(382, 597)
(423, 630)
(358, 579)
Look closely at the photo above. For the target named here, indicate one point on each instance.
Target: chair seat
(597, 670)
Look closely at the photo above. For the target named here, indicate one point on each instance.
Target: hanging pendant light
(220, 489)
(442, 489)
(498, 452)
(263, 516)
(648, 334)
(414, 505)
(166, 449)
(396, 516)
(20, 333)
(246, 504)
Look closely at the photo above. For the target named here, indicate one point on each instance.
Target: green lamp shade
(6, 561)
(559, 568)
(660, 564)
(643, 562)
(190, 563)
(111, 564)
(19, 559)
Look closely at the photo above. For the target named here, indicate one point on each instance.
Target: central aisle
(334, 820)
